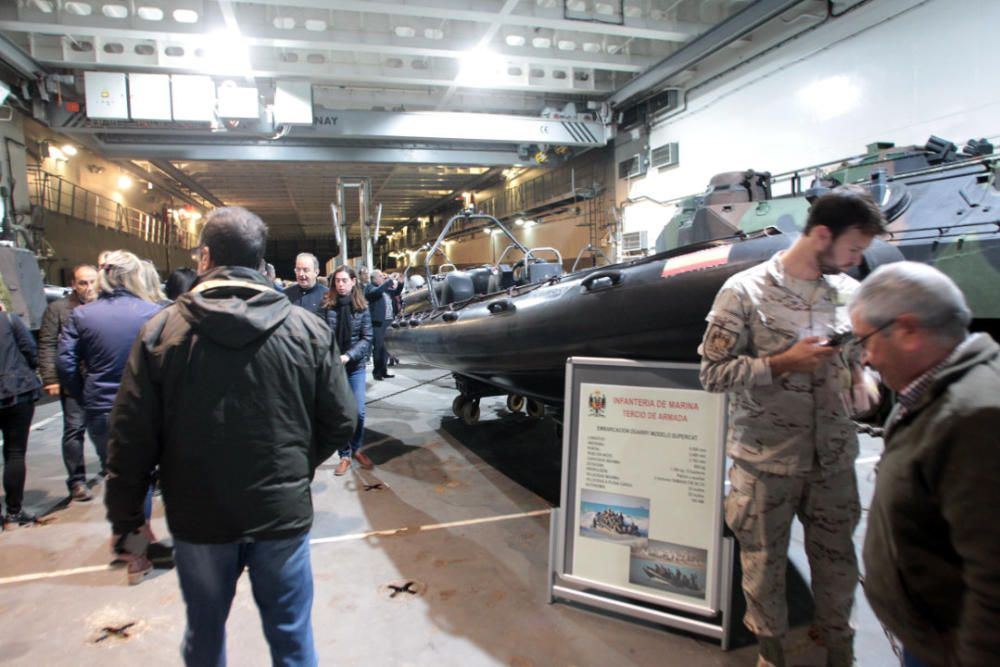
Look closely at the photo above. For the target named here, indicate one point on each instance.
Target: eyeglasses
(860, 342)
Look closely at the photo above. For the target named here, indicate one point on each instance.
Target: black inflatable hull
(519, 340)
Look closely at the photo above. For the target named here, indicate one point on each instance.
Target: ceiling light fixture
(480, 68)
(228, 52)
(124, 182)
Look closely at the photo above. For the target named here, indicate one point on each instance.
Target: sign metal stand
(639, 530)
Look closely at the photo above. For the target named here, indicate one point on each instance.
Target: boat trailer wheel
(470, 411)
(466, 408)
(515, 402)
(536, 409)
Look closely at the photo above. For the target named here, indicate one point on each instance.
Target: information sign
(641, 511)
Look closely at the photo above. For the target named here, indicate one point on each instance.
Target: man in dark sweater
(932, 547)
(306, 292)
(238, 397)
(379, 293)
(56, 316)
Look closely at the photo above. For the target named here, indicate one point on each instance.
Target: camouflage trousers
(759, 510)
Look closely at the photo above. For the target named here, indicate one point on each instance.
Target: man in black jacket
(306, 291)
(237, 397)
(55, 319)
(379, 293)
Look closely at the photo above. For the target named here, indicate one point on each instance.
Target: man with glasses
(791, 437)
(306, 292)
(932, 548)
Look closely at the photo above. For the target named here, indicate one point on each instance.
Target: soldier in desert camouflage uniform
(790, 436)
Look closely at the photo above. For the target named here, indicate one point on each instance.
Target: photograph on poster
(613, 517)
(670, 567)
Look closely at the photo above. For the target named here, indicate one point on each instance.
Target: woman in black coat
(20, 387)
(350, 321)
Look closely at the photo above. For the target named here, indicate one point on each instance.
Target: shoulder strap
(213, 284)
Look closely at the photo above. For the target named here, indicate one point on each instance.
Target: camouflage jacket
(783, 425)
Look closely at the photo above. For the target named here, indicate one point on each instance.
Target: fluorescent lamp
(227, 52)
(480, 68)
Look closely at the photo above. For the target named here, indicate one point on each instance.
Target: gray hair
(121, 269)
(916, 289)
(154, 291)
(310, 256)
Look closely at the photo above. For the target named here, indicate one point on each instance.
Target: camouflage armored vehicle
(21, 288)
(942, 204)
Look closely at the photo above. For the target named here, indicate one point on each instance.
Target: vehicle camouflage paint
(943, 208)
(21, 288)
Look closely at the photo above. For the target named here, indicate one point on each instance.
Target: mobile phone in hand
(838, 339)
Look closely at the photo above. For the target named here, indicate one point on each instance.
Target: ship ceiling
(384, 77)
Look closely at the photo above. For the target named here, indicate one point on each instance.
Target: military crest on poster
(598, 402)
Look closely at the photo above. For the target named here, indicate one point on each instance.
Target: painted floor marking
(22, 578)
(433, 526)
(45, 421)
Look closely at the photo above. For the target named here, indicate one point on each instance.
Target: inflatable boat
(509, 328)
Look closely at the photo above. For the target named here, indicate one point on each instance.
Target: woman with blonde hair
(98, 338)
(154, 289)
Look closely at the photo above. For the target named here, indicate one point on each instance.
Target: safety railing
(54, 193)
(552, 185)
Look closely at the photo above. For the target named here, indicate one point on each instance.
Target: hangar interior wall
(75, 241)
(893, 70)
(12, 163)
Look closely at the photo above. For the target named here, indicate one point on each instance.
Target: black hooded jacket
(238, 397)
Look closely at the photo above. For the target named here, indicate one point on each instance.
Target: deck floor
(461, 510)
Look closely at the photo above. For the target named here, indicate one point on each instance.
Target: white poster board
(643, 475)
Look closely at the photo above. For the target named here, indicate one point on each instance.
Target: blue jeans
(281, 580)
(72, 440)
(356, 378)
(99, 429)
